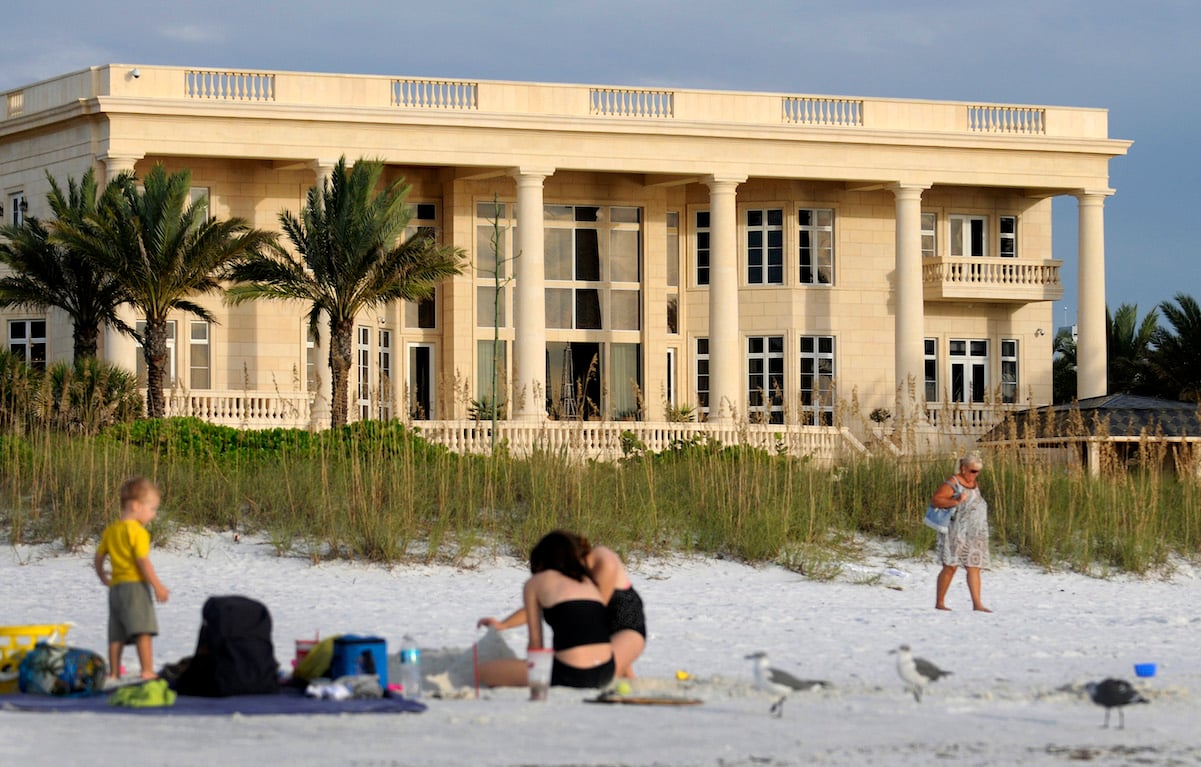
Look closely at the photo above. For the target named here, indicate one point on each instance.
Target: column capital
(1092, 196)
(530, 174)
(719, 182)
(118, 162)
(908, 190)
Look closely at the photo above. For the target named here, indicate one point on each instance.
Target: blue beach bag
(65, 672)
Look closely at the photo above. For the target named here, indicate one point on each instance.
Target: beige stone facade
(815, 251)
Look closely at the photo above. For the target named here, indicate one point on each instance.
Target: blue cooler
(355, 655)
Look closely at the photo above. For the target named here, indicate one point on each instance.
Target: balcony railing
(245, 409)
(971, 419)
(1008, 280)
(583, 102)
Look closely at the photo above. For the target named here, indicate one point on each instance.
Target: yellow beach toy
(15, 641)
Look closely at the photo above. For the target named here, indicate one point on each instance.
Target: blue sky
(1142, 61)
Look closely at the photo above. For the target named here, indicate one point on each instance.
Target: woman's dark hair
(559, 551)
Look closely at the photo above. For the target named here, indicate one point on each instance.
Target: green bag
(316, 664)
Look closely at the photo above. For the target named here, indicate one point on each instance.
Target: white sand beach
(1011, 699)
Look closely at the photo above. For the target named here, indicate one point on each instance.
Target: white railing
(15, 103)
(631, 102)
(967, 418)
(247, 409)
(435, 94)
(998, 272)
(603, 439)
(222, 85)
(813, 110)
(1006, 119)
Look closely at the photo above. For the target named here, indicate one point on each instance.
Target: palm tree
(1177, 357)
(1129, 349)
(1063, 367)
(47, 273)
(164, 250)
(352, 258)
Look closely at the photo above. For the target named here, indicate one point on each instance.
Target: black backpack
(234, 654)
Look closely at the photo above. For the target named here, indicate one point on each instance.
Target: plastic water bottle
(410, 667)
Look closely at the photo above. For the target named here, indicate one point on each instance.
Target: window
(625, 380)
(363, 364)
(702, 378)
(200, 371)
(423, 314)
(701, 256)
(488, 365)
(969, 236)
(765, 378)
(1009, 371)
(929, 235)
(1009, 236)
(140, 364)
(312, 360)
(931, 363)
(815, 230)
(673, 250)
(593, 267)
(765, 247)
(18, 205)
(673, 273)
(421, 382)
(493, 244)
(385, 375)
(489, 306)
(969, 370)
(27, 340)
(670, 377)
(817, 380)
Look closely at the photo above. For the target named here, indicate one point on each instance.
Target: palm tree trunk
(85, 339)
(154, 351)
(341, 335)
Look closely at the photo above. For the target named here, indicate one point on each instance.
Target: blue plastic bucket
(1144, 669)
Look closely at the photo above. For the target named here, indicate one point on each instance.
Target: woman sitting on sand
(562, 591)
(627, 621)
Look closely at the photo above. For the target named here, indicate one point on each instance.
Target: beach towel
(289, 702)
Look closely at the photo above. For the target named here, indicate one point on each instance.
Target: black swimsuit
(625, 612)
(575, 623)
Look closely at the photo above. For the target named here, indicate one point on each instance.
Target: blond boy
(126, 544)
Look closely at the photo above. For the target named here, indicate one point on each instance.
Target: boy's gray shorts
(130, 612)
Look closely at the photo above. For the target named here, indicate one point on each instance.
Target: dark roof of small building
(1116, 415)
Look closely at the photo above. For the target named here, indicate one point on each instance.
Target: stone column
(319, 399)
(529, 299)
(910, 334)
(117, 348)
(726, 387)
(1092, 372)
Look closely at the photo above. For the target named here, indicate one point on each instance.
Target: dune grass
(379, 492)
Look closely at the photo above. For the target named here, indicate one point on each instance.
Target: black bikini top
(577, 622)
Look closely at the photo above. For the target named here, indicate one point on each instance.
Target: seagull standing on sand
(1114, 693)
(779, 682)
(916, 672)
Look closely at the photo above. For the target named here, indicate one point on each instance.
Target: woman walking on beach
(966, 541)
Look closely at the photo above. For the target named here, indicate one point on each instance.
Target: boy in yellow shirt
(126, 544)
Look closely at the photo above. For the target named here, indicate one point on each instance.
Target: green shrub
(87, 396)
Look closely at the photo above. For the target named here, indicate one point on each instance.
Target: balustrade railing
(631, 102)
(250, 409)
(1006, 119)
(991, 272)
(220, 85)
(815, 110)
(15, 103)
(435, 94)
(968, 418)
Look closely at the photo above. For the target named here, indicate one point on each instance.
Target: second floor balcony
(1003, 280)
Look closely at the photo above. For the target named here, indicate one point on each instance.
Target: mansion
(633, 254)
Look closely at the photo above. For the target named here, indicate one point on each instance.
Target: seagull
(779, 682)
(1114, 693)
(916, 672)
